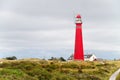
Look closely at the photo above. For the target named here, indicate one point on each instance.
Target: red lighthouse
(78, 52)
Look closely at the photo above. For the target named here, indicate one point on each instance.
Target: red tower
(78, 52)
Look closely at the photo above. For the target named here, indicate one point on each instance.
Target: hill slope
(35, 69)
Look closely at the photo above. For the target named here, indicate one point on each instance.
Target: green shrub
(70, 65)
(11, 58)
(85, 77)
(61, 76)
(40, 73)
(55, 70)
(118, 77)
(12, 74)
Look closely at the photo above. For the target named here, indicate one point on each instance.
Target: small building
(90, 57)
(87, 57)
(70, 58)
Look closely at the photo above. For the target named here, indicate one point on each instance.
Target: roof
(71, 57)
(87, 55)
(78, 16)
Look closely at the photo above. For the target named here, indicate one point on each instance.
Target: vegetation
(35, 69)
(118, 77)
(59, 59)
(11, 58)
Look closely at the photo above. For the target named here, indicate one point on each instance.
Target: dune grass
(118, 77)
(35, 69)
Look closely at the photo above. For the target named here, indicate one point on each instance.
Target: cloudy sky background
(45, 28)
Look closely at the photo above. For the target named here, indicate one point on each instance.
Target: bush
(62, 59)
(11, 58)
(12, 74)
(85, 77)
(60, 76)
(118, 77)
(70, 65)
(55, 70)
(40, 73)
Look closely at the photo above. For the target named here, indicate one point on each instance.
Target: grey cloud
(12, 21)
(42, 39)
(50, 24)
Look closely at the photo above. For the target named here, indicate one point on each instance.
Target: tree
(53, 58)
(11, 58)
(62, 59)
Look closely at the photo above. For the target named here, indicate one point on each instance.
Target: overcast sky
(42, 28)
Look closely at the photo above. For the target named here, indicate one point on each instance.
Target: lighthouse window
(77, 19)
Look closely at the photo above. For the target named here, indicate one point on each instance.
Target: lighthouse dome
(78, 16)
